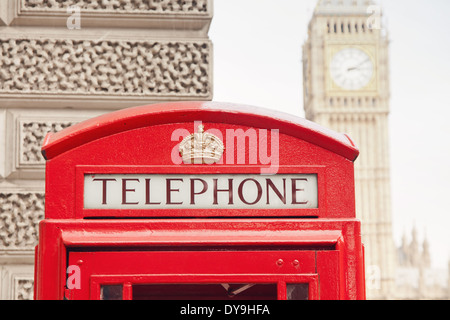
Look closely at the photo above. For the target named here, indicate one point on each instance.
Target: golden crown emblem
(201, 148)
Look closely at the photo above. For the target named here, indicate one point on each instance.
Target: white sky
(257, 61)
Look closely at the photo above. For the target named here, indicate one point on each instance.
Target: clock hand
(357, 66)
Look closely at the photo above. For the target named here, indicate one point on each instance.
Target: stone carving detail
(133, 68)
(32, 135)
(153, 6)
(20, 214)
(23, 289)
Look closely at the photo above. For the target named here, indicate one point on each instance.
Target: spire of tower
(414, 233)
(343, 7)
(414, 248)
(426, 255)
(426, 258)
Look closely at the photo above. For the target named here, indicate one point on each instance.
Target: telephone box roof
(181, 112)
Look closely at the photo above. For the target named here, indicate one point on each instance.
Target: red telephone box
(199, 200)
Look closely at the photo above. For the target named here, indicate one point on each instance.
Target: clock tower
(346, 88)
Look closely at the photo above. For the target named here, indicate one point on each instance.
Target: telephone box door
(203, 275)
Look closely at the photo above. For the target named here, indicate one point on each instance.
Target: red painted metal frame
(147, 267)
(157, 114)
(138, 140)
(343, 236)
(64, 178)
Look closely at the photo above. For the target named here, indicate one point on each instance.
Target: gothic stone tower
(346, 88)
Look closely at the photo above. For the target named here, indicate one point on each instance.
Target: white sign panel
(224, 191)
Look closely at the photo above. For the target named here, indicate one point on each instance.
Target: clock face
(351, 69)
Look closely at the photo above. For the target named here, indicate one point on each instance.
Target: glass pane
(111, 292)
(297, 291)
(213, 291)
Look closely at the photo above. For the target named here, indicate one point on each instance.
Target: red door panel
(328, 268)
(214, 274)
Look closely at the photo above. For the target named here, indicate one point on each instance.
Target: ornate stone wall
(16, 282)
(100, 67)
(119, 6)
(20, 214)
(62, 62)
(31, 137)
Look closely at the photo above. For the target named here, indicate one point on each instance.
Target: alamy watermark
(252, 147)
(373, 277)
(374, 20)
(74, 21)
(73, 277)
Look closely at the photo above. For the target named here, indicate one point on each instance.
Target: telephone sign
(222, 191)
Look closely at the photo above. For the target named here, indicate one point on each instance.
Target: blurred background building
(415, 277)
(346, 88)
